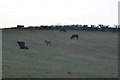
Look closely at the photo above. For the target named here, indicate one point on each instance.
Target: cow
(20, 26)
(63, 30)
(74, 36)
(48, 42)
(22, 45)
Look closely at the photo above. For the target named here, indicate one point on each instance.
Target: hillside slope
(94, 54)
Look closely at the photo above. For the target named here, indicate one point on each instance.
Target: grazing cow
(22, 45)
(48, 42)
(63, 30)
(74, 36)
(20, 26)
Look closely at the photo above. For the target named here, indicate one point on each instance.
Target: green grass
(0, 53)
(93, 55)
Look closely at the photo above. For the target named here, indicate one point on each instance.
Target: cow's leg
(26, 47)
(77, 37)
(22, 47)
(47, 43)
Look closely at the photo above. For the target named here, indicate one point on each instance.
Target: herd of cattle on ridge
(100, 27)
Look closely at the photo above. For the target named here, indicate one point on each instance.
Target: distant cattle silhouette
(63, 30)
(22, 45)
(48, 42)
(20, 26)
(74, 36)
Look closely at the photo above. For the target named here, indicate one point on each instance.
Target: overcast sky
(48, 12)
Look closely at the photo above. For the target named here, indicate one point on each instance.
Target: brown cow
(48, 42)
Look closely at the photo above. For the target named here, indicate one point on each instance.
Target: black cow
(74, 36)
(63, 30)
(22, 45)
(20, 26)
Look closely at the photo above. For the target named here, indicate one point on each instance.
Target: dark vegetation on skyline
(100, 27)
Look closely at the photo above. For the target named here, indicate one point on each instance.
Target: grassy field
(0, 53)
(93, 55)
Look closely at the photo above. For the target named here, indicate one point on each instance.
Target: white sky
(48, 12)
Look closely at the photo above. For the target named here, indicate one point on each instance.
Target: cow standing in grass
(62, 30)
(48, 42)
(74, 36)
(22, 45)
